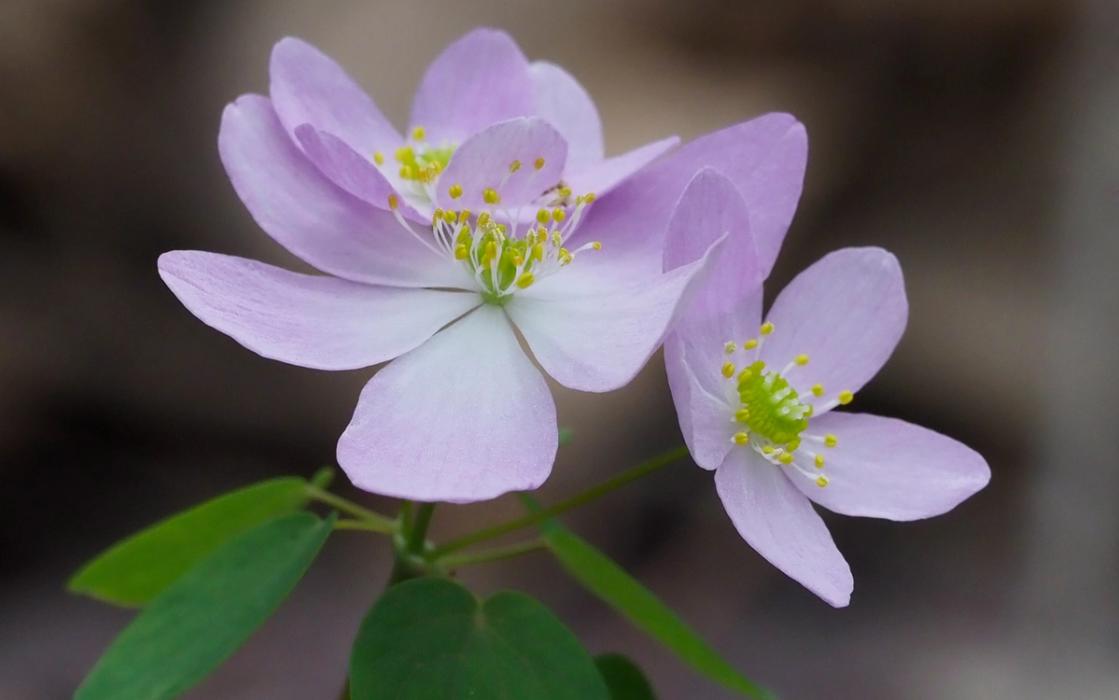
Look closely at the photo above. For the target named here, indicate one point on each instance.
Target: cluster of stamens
(503, 249)
(772, 417)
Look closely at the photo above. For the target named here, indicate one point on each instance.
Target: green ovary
(771, 408)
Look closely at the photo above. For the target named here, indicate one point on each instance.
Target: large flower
(756, 400)
(485, 232)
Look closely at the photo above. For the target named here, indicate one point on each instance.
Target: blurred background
(976, 140)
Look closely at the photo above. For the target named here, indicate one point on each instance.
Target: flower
(755, 401)
(438, 273)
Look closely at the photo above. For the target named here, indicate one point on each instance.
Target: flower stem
(494, 554)
(361, 525)
(375, 521)
(633, 474)
(418, 534)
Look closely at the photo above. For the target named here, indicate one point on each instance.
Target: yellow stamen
(728, 369)
(490, 196)
(538, 163)
(418, 133)
(801, 360)
(514, 166)
(729, 347)
(821, 481)
(750, 344)
(394, 201)
(817, 389)
(455, 191)
(742, 415)
(558, 214)
(831, 440)
(786, 458)
(819, 461)
(596, 245)
(525, 280)
(378, 158)
(845, 397)
(766, 328)
(461, 251)
(741, 438)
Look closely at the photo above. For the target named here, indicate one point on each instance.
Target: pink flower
(755, 400)
(498, 215)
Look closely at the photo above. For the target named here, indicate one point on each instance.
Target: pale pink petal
(480, 79)
(599, 341)
(705, 417)
(308, 87)
(464, 417)
(485, 161)
(710, 208)
(846, 312)
(312, 217)
(307, 320)
(764, 158)
(563, 102)
(780, 524)
(353, 173)
(603, 176)
(887, 468)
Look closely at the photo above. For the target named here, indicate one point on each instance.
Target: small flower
(488, 229)
(767, 425)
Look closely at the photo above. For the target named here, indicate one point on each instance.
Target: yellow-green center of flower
(772, 417)
(503, 249)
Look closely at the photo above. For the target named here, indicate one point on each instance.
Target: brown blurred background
(976, 140)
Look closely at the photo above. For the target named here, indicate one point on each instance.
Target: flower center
(419, 165)
(773, 417)
(503, 249)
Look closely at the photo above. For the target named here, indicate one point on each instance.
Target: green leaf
(137, 569)
(203, 617)
(431, 639)
(610, 582)
(624, 679)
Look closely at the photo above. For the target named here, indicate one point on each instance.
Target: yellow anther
(463, 216)
(588, 198)
(819, 461)
(461, 251)
(831, 440)
(437, 214)
(741, 438)
(728, 369)
(525, 280)
(490, 196)
(742, 415)
(786, 458)
(810, 410)
(792, 445)
(817, 389)
(750, 344)
(766, 328)
(394, 201)
(378, 158)
(768, 449)
(745, 374)
(418, 133)
(801, 359)
(596, 245)
(564, 191)
(455, 191)
(489, 253)
(484, 218)
(729, 347)
(518, 260)
(821, 481)
(845, 397)
(558, 214)
(542, 216)
(538, 251)
(404, 153)
(406, 173)
(565, 256)
(538, 163)
(514, 166)
(557, 239)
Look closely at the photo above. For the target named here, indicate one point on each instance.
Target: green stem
(633, 474)
(417, 536)
(361, 525)
(494, 554)
(375, 521)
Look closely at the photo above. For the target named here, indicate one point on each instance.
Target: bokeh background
(976, 140)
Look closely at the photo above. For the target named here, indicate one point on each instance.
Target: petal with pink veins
(464, 417)
(778, 521)
(480, 79)
(846, 312)
(887, 468)
(308, 87)
(307, 320)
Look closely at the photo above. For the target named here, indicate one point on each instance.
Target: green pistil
(773, 409)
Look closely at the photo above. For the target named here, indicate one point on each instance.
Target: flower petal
(764, 158)
(779, 522)
(705, 417)
(847, 312)
(314, 219)
(563, 102)
(357, 175)
(485, 159)
(599, 341)
(605, 175)
(307, 320)
(308, 87)
(480, 79)
(887, 468)
(710, 208)
(465, 417)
